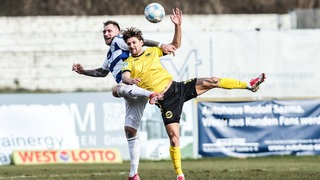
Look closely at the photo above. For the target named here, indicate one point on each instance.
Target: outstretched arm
(99, 72)
(151, 43)
(176, 18)
(166, 48)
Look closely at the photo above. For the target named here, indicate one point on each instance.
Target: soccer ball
(154, 12)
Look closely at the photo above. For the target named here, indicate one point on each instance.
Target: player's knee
(215, 80)
(174, 139)
(115, 91)
(130, 132)
(214, 83)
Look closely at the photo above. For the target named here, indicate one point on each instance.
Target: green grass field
(276, 167)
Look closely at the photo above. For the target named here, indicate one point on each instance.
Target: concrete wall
(38, 52)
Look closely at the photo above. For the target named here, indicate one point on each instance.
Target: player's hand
(135, 80)
(176, 16)
(77, 68)
(168, 49)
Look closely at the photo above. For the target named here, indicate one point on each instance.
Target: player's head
(134, 39)
(110, 30)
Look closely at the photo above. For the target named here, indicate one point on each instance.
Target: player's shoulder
(120, 42)
(152, 49)
(129, 59)
(118, 39)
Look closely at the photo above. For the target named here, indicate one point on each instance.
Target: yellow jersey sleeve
(126, 66)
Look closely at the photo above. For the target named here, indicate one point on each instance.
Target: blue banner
(259, 128)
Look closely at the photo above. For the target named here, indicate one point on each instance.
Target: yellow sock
(175, 155)
(228, 83)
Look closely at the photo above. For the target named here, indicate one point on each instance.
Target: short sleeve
(126, 66)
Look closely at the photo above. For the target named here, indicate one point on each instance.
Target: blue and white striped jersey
(117, 53)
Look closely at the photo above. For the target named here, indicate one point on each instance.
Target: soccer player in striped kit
(135, 97)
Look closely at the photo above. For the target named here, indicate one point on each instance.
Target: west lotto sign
(67, 156)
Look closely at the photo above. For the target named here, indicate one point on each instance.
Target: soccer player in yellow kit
(143, 68)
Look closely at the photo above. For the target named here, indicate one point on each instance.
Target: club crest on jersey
(169, 115)
(187, 81)
(148, 54)
(125, 65)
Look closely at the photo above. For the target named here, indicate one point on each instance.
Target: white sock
(134, 152)
(133, 91)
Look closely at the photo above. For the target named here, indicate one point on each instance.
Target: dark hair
(113, 23)
(132, 32)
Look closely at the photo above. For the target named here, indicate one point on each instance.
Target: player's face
(135, 46)
(109, 32)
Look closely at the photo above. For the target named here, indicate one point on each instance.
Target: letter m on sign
(88, 121)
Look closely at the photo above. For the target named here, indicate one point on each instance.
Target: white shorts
(134, 111)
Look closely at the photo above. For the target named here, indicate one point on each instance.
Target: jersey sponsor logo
(169, 114)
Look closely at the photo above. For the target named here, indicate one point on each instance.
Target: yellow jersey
(148, 68)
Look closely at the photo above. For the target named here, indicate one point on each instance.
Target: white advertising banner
(61, 121)
(35, 126)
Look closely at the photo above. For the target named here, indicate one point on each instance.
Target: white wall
(37, 52)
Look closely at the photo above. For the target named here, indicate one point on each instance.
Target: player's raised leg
(205, 84)
(133, 91)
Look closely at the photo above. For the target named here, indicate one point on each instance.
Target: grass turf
(275, 167)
